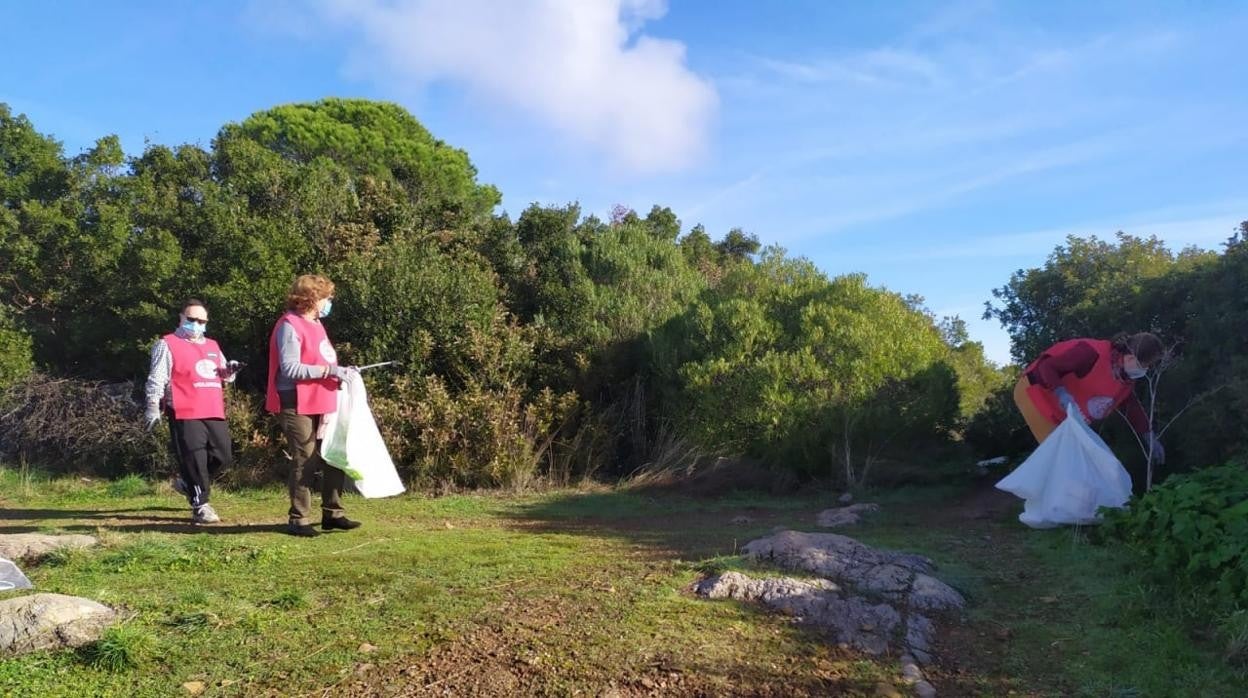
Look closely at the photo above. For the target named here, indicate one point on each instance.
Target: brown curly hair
(307, 291)
(1144, 346)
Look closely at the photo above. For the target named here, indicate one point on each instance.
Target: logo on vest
(1100, 407)
(206, 368)
(327, 352)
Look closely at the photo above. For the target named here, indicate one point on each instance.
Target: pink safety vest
(315, 396)
(1098, 393)
(194, 383)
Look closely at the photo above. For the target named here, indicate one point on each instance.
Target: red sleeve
(1136, 415)
(1049, 370)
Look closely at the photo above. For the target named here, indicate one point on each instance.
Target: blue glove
(1156, 452)
(1065, 399)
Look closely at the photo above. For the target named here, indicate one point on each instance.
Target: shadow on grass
(669, 524)
(8, 514)
(164, 525)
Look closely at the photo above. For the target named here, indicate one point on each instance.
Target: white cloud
(580, 66)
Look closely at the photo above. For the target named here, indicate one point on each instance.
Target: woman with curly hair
(304, 377)
(1097, 376)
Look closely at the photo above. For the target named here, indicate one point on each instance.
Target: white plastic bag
(352, 443)
(1068, 477)
(11, 577)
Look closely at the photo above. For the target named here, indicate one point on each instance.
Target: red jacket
(1091, 370)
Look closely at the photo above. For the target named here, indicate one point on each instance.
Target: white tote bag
(11, 577)
(1068, 477)
(352, 443)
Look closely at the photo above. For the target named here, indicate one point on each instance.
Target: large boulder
(50, 621)
(27, 546)
(898, 578)
(874, 628)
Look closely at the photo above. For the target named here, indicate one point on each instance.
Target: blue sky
(935, 146)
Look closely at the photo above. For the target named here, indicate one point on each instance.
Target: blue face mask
(193, 329)
(329, 305)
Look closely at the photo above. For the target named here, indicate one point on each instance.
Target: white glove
(151, 415)
(344, 373)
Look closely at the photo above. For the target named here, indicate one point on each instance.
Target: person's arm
(289, 350)
(1049, 371)
(157, 381)
(1137, 416)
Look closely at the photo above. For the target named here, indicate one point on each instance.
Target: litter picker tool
(378, 365)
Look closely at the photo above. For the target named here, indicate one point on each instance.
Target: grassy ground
(574, 592)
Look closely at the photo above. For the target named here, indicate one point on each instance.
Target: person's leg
(1040, 425)
(300, 432)
(181, 477)
(220, 450)
(332, 482)
(193, 437)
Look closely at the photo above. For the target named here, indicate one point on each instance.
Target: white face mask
(1131, 366)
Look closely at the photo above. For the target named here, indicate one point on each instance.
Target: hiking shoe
(341, 523)
(204, 514)
(302, 530)
(179, 486)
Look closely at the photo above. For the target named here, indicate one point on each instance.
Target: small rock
(844, 516)
(887, 690)
(924, 689)
(17, 546)
(649, 683)
(367, 648)
(742, 520)
(449, 525)
(911, 673)
(845, 498)
(49, 622)
(194, 687)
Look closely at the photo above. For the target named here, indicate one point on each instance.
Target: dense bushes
(1194, 300)
(821, 375)
(548, 347)
(1191, 534)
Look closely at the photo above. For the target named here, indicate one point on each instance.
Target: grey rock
(18, 546)
(844, 516)
(911, 673)
(848, 619)
(845, 498)
(923, 689)
(897, 577)
(50, 621)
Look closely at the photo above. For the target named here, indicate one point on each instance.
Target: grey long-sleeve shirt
(158, 386)
(289, 368)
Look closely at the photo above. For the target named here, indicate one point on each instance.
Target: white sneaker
(204, 515)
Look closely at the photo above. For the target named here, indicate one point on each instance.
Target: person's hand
(1156, 452)
(1065, 399)
(344, 373)
(230, 368)
(151, 415)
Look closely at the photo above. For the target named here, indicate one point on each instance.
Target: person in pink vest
(1096, 376)
(304, 377)
(185, 382)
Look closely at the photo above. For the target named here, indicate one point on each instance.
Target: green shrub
(1191, 533)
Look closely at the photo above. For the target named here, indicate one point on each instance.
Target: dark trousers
(202, 447)
(304, 451)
